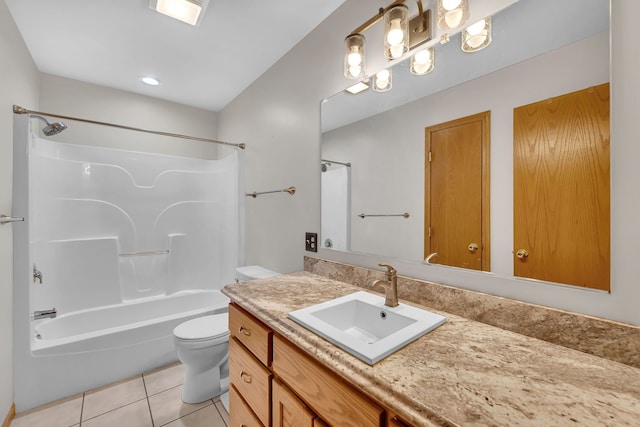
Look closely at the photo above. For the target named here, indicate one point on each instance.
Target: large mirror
(373, 144)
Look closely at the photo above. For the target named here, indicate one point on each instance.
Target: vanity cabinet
(273, 383)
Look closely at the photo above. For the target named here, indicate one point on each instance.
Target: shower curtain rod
(20, 110)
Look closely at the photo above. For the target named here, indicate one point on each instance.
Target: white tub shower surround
(129, 245)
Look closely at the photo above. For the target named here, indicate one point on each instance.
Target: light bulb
(355, 70)
(396, 51)
(451, 4)
(453, 18)
(422, 57)
(395, 35)
(354, 58)
(383, 75)
(476, 28)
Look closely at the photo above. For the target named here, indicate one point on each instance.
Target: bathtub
(82, 350)
(126, 326)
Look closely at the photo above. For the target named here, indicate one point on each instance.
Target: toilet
(202, 345)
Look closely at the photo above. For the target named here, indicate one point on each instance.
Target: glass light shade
(477, 36)
(354, 56)
(452, 13)
(422, 62)
(382, 81)
(396, 31)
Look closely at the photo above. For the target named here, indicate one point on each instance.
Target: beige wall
(85, 100)
(18, 84)
(279, 118)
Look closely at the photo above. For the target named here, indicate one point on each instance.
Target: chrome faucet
(390, 285)
(45, 314)
(37, 275)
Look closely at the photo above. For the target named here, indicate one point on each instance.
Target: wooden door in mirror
(561, 189)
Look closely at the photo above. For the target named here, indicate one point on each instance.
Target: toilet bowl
(202, 345)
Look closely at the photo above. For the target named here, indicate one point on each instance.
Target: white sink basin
(362, 325)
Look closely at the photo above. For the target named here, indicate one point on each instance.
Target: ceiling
(114, 42)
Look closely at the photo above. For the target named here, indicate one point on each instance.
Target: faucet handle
(390, 270)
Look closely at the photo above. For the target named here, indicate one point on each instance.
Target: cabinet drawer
(251, 333)
(330, 398)
(239, 412)
(251, 379)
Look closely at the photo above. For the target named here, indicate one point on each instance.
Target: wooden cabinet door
(561, 189)
(239, 412)
(457, 192)
(287, 409)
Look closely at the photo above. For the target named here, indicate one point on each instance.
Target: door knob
(522, 254)
(473, 247)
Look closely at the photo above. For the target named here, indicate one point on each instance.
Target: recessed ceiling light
(151, 81)
(189, 11)
(357, 88)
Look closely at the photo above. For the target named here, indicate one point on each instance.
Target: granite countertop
(462, 373)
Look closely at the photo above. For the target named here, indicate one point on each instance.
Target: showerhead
(50, 129)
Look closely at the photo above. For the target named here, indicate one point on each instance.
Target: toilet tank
(252, 272)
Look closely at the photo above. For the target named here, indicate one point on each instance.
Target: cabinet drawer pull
(245, 377)
(397, 422)
(244, 331)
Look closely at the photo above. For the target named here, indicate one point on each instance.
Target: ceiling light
(382, 81)
(151, 81)
(422, 62)
(477, 36)
(396, 31)
(452, 13)
(354, 56)
(357, 88)
(189, 11)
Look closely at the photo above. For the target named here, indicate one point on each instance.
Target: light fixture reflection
(452, 13)
(396, 31)
(151, 81)
(357, 88)
(354, 56)
(422, 62)
(477, 36)
(382, 81)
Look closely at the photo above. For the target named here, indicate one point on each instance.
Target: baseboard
(10, 416)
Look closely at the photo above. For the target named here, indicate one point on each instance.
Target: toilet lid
(203, 327)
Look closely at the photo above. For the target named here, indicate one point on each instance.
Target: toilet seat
(206, 328)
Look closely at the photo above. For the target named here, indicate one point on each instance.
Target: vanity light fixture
(401, 35)
(189, 11)
(357, 88)
(452, 13)
(422, 62)
(382, 81)
(477, 36)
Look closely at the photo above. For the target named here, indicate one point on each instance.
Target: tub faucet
(390, 285)
(45, 314)
(37, 275)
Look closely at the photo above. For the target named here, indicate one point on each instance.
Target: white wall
(69, 97)
(387, 150)
(18, 84)
(278, 116)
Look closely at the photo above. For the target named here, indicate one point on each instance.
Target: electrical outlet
(311, 242)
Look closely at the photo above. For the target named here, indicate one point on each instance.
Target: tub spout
(44, 314)
(37, 275)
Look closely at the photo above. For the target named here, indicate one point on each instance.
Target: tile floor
(151, 399)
